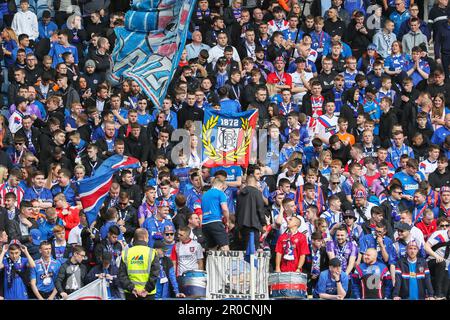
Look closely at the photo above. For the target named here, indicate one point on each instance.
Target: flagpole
(252, 277)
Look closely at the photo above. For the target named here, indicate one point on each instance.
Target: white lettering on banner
(229, 275)
(128, 62)
(411, 186)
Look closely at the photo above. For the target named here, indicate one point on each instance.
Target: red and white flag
(97, 290)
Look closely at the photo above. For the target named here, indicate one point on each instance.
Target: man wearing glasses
(437, 247)
(399, 15)
(72, 273)
(391, 206)
(169, 239)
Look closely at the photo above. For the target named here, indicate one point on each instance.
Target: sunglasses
(169, 234)
(123, 203)
(349, 217)
(444, 225)
(335, 183)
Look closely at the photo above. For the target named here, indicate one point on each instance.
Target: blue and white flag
(148, 48)
(93, 190)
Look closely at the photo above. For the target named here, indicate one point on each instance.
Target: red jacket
(71, 220)
(427, 230)
(296, 245)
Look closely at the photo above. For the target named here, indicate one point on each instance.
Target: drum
(193, 284)
(287, 285)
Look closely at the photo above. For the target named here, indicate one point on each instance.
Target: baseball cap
(300, 59)
(169, 228)
(349, 213)
(360, 194)
(372, 46)
(36, 237)
(445, 189)
(402, 226)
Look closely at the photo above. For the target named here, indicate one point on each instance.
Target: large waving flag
(148, 48)
(227, 137)
(93, 190)
(96, 290)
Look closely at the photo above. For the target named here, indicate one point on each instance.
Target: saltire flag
(96, 290)
(148, 48)
(94, 189)
(227, 137)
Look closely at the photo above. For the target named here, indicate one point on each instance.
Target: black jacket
(64, 274)
(307, 106)
(126, 283)
(137, 148)
(250, 209)
(102, 62)
(130, 217)
(387, 121)
(323, 261)
(13, 230)
(35, 136)
(189, 113)
(5, 160)
(438, 180)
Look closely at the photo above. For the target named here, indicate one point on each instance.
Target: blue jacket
(403, 278)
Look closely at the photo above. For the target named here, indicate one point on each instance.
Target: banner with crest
(226, 138)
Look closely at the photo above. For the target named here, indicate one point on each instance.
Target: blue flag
(148, 48)
(93, 190)
(251, 248)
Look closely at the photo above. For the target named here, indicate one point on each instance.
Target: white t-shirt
(440, 236)
(298, 83)
(187, 256)
(75, 235)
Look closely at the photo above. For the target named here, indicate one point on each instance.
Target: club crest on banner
(226, 138)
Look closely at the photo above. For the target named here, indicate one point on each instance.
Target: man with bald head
(371, 278)
(193, 49)
(139, 269)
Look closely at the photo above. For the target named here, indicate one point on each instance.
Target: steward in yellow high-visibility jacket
(139, 269)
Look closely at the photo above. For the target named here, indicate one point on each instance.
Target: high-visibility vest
(139, 263)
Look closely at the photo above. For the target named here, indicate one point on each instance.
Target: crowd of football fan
(352, 187)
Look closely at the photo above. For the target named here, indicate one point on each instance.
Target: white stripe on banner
(229, 275)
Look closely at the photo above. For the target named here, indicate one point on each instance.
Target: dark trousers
(439, 278)
(45, 295)
(245, 235)
(445, 64)
(130, 296)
